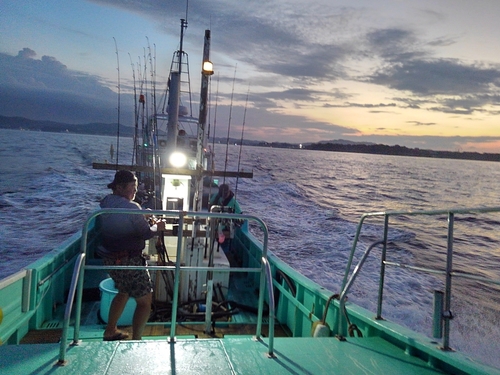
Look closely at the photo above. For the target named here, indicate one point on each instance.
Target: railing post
(269, 279)
(341, 329)
(382, 269)
(260, 312)
(447, 316)
(442, 307)
(69, 305)
(437, 316)
(175, 300)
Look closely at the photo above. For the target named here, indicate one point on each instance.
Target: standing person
(123, 239)
(225, 198)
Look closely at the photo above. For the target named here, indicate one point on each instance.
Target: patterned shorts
(136, 283)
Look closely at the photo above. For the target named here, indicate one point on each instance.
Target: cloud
(437, 84)
(438, 77)
(271, 39)
(299, 44)
(26, 53)
(379, 105)
(418, 123)
(394, 44)
(46, 89)
(294, 55)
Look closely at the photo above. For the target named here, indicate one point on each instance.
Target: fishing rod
(154, 122)
(152, 57)
(215, 126)
(212, 158)
(118, 125)
(229, 125)
(145, 124)
(142, 108)
(241, 142)
(136, 114)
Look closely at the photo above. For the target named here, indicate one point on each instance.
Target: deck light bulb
(208, 68)
(177, 159)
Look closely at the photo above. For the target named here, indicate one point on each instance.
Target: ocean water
(311, 202)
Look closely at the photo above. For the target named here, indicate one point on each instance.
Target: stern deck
(234, 355)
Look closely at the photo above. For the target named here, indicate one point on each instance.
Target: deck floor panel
(235, 355)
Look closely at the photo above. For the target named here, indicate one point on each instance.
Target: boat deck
(231, 355)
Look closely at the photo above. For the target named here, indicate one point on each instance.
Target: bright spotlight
(207, 68)
(177, 159)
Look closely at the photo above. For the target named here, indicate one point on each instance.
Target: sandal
(117, 336)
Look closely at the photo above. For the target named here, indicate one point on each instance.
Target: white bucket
(108, 292)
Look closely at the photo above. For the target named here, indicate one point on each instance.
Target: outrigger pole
(178, 171)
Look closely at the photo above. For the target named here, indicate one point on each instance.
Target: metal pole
(447, 291)
(175, 301)
(382, 269)
(202, 120)
(269, 278)
(173, 110)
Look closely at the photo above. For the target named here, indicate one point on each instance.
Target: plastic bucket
(108, 292)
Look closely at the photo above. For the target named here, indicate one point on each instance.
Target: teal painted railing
(449, 273)
(81, 267)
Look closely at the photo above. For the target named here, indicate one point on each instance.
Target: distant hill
(402, 151)
(340, 142)
(97, 129)
(57, 127)
(339, 145)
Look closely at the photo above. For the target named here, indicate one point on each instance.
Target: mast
(206, 72)
(174, 95)
(152, 154)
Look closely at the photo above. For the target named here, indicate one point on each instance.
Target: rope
(352, 328)
(335, 296)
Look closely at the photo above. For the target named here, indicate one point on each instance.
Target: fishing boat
(244, 312)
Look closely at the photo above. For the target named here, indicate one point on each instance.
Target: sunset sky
(415, 73)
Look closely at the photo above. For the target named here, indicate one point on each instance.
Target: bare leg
(115, 311)
(141, 315)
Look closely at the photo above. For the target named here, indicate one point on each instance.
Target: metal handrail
(69, 305)
(78, 275)
(269, 279)
(350, 282)
(448, 272)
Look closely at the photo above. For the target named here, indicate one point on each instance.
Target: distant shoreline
(379, 149)
(20, 123)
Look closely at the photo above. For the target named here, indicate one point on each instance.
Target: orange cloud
(488, 147)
